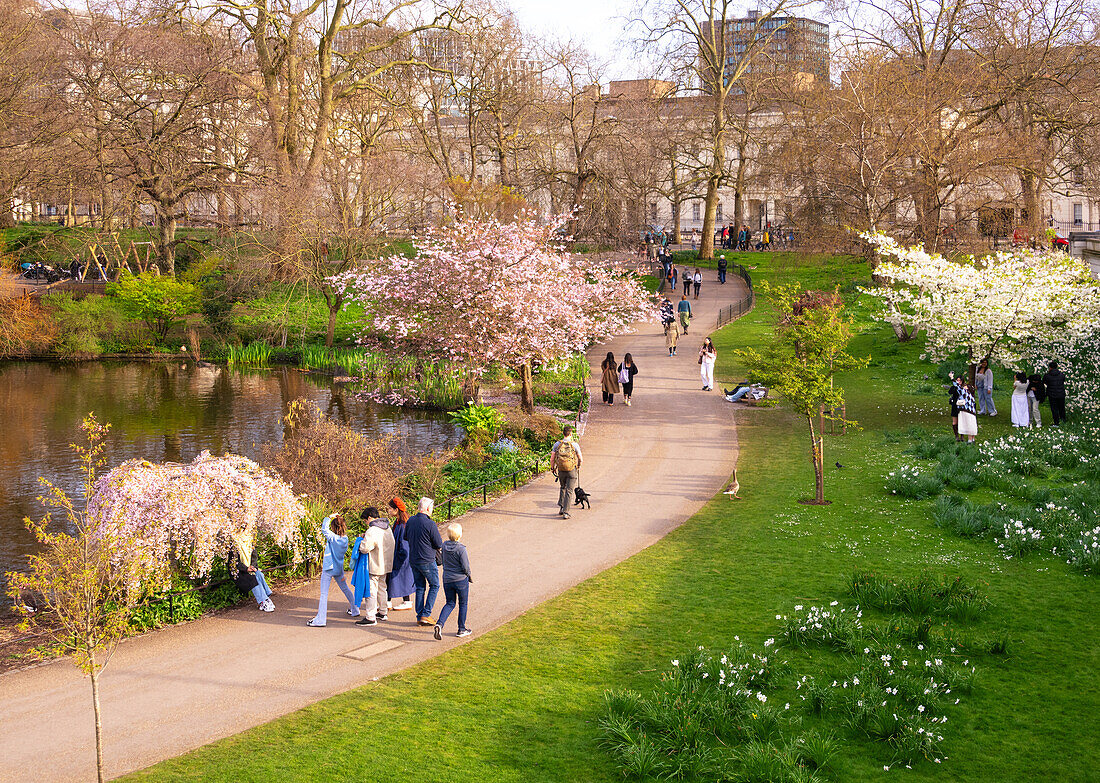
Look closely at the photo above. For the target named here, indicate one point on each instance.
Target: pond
(161, 412)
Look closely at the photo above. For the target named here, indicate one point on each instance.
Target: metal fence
(741, 306)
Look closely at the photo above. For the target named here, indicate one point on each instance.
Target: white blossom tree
(1003, 307)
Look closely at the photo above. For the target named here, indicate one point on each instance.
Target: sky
(595, 23)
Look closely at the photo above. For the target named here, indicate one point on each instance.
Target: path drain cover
(362, 653)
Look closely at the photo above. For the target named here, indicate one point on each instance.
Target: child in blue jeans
(456, 581)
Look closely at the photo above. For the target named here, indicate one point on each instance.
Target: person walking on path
(686, 279)
(697, 281)
(335, 531)
(456, 582)
(1055, 382)
(968, 417)
(708, 355)
(684, 309)
(1021, 415)
(722, 269)
(668, 322)
(244, 569)
(1036, 393)
(400, 583)
(670, 280)
(377, 546)
(627, 371)
(565, 464)
(983, 381)
(424, 545)
(610, 379)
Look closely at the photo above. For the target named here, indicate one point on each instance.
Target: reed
(255, 354)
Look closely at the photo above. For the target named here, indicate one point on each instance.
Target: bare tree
(308, 59)
(30, 106)
(146, 86)
(1042, 64)
(696, 37)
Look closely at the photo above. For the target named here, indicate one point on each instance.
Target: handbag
(700, 358)
(439, 557)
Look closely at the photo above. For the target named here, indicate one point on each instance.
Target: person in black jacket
(722, 269)
(249, 579)
(425, 545)
(1055, 383)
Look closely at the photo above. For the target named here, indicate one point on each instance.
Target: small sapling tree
(811, 334)
(85, 579)
(158, 300)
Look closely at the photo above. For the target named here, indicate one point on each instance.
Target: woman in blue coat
(400, 580)
(336, 546)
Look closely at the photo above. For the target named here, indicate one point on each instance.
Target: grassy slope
(520, 704)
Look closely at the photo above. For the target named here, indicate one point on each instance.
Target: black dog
(582, 498)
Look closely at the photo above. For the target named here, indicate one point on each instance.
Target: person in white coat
(708, 355)
(1021, 410)
(377, 545)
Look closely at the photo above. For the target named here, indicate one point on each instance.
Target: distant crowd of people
(970, 400)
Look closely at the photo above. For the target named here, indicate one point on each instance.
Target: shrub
(160, 301)
(25, 327)
(91, 326)
(478, 421)
(909, 482)
(333, 463)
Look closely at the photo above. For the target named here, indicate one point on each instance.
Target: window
(1078, 175)
(718, 214)
(695, 210)
(1078, 215)
(653, 211)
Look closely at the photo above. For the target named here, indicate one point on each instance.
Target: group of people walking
(968, 401)
(389, 564)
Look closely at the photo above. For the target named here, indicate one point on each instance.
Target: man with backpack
(565, 464)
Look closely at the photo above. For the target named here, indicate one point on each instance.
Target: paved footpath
(648, 467)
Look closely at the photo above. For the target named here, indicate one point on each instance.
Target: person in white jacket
(377, 545)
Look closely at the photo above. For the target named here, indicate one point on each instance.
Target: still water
(160, 412)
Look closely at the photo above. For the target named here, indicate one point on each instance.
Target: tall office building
(780, 44)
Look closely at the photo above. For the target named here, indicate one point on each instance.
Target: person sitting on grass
(456, 582)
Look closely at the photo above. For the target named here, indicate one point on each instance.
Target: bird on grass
(733, 487)
(839, 465)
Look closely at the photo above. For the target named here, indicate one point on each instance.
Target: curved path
(648, 467)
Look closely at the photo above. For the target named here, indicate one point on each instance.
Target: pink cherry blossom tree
(187, 515)
(483, 291)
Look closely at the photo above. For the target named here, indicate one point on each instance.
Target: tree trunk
(334, 301)
(817, 455)
(98, 718)
(166, 235)
(527, 388)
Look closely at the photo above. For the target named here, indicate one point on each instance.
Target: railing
(514, 475)
(742, 305)
(484, 488)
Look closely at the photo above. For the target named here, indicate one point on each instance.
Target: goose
(733, 487)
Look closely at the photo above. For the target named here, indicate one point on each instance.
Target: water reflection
(161, 412)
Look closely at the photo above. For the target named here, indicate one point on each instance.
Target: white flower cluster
(1026, 300)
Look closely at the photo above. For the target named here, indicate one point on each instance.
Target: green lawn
(521, 703)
